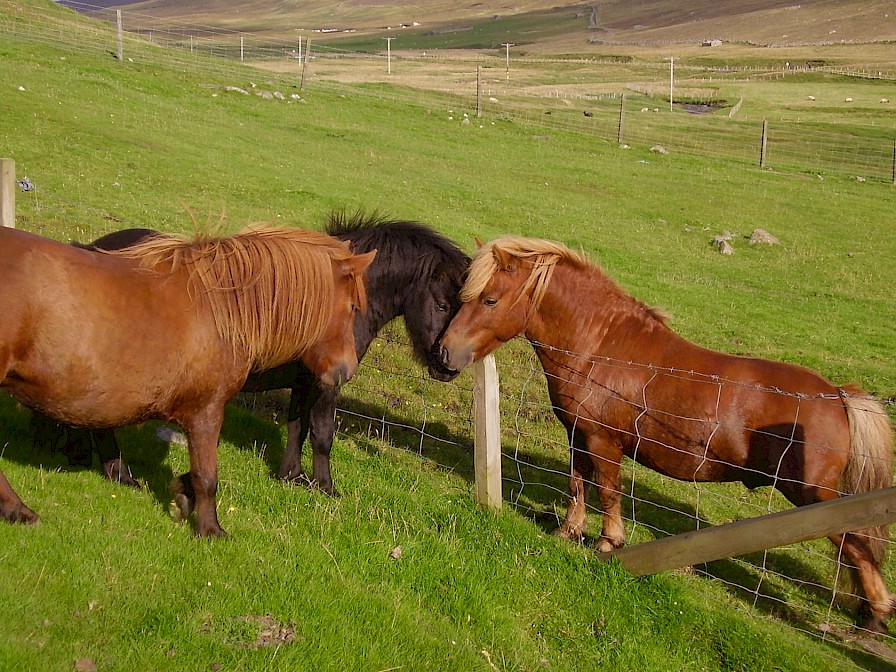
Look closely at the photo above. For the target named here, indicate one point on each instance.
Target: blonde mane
(270, 289)
(543, 255)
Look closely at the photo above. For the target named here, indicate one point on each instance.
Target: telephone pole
(389, 54)
(507, 46)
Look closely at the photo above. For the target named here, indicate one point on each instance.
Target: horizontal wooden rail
(803, 523)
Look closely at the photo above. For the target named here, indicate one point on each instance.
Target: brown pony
(623, 383)
(170, 328)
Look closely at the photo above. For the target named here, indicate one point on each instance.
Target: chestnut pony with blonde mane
(170, 328)
(623, 383)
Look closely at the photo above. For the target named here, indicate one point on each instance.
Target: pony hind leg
(12, 508)
(858, 555)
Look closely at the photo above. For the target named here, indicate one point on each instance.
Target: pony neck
(584, 311)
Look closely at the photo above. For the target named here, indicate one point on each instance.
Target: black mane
(410, 243)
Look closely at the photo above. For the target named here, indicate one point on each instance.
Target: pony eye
(442, 307)
(490, 302)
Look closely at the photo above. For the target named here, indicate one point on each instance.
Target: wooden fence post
(478, 91)
(487, 442)
(620, 134)
(894, 162)
(8, 193)
(803, 523)
(120, 36)
(762, 145)
(305, 63)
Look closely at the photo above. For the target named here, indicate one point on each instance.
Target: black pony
(417, 273)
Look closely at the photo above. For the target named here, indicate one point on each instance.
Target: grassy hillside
(306, 582)
(536, 22)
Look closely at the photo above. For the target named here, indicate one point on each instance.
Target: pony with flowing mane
(624, 384)
(263, 284)
(170, 328)
(417, 274)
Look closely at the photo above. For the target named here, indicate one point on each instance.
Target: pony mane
(543, 255)
(416, 246)
(270, 289)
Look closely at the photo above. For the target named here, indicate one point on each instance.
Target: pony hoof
(20, 514)
(874, 625)
(180, 508)
(215, 531)
(569, 533)
(605, 545)
(296, 478)
(115, 471)
(328, 490)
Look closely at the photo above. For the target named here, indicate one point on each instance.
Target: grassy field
(307, 582)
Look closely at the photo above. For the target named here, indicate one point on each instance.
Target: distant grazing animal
(169, 328)
(417, 274)
(623, 383)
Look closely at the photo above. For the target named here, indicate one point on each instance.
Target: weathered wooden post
(120, 36)
(487, 442)
(620, 131)
(894, 162)
(305, 63)
(762, 146)
(478, 91)
(8, 193)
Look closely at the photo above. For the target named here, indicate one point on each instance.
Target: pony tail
(870, 464)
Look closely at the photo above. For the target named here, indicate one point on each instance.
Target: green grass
(107, 576)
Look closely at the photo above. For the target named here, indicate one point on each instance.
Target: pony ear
(506, 262)
(360, 262)
(479, 243)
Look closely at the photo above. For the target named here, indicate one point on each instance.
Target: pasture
(405, 571)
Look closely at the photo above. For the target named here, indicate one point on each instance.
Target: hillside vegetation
(405, 571)
(536, 22)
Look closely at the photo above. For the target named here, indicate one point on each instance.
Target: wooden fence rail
(803, 523)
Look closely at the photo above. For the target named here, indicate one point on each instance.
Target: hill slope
(760, 21)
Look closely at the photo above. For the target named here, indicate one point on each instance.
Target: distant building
(711, 43)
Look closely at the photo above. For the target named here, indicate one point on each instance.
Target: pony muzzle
(456, 359)
(339, 374)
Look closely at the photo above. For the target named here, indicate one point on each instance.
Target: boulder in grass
(763, 237)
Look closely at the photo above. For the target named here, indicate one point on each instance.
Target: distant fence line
(788, 146)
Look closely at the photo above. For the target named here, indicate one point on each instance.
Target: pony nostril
(445, 355)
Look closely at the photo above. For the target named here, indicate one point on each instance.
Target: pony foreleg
(612, 533)
(300, 401)
(199, 487)
(323, 427)
(297, 422)
(12, 508)
(573, 526)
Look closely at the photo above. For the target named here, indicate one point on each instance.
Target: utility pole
(507, 46)
(671, 80)
(389, 53)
